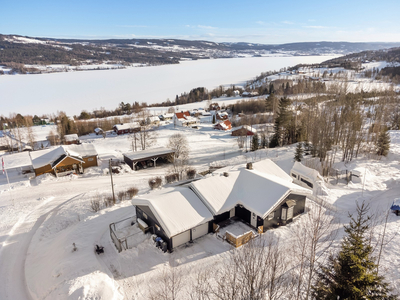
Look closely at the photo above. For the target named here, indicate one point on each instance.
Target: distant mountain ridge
(24, 54)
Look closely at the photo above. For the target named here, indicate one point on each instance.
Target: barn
(147, 158)
(70, 139)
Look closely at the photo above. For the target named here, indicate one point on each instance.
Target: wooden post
(112, 183)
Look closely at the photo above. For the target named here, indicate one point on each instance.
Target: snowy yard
(41, 219)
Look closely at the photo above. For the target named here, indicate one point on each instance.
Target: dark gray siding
(298, 209)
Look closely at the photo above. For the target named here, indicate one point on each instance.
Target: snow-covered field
(41, 219)
(75, 91)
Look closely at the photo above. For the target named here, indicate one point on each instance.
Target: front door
(254, 220)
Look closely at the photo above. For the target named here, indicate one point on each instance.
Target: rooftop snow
(177, 209)
(125, 126)
(17, 160)
(257, 191)
(148, 153)
(71, 137)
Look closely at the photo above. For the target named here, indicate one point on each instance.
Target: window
(144, 215)
(90, 159)
(284, 213)
(307, 182)
(294, 175)
(271, 216)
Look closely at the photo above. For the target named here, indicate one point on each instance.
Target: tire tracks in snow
(15, 249)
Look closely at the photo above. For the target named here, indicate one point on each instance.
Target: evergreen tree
(213, 119)
(282, 124)
(383, 143)
(298, 155)
(352, 273)
(264, 142)
(254, 143)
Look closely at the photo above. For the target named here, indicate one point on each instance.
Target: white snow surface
(73, 92)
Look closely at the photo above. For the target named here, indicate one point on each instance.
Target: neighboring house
(222, 116)
(260, 194)
(184, 119)
(166, 117)
(225, 125)
(64, 160)
(70, 139)
(98, 131)
(126, 128)
(153, 120)
(305, 176)
(18, 162)
(244, 130)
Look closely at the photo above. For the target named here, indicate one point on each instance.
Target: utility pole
(112, 183)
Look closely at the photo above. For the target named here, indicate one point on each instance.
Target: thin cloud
(317, 27)
(133, 26)
(287, 22)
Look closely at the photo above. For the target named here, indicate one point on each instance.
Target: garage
(180, 239)
(199, 231)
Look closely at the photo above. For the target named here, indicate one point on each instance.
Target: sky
(265, 21)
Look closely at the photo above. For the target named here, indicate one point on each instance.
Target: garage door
(199, 231)
(180, 239)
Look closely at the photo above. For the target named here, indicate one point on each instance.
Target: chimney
(226, 174)
(249, 166)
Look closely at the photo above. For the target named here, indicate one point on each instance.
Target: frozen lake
(73, 92)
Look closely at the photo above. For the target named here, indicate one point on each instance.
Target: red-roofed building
(225, 125)
(184, 119)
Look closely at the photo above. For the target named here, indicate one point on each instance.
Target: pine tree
(254, 143)
(298, 155)
(282, 124)
(352, 273)
(213, 119)
(383, 143)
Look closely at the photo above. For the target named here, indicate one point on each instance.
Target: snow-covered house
(154, 120)
(244, 130)
(126, 128)
(225, 125)
(260, 194)
(70, 139)
(98, 131)
(64, 159)
(184, 119)
(222, 116)
(166, 117)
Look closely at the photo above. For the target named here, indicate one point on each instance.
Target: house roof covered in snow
(177, 209)
(71, 137)
(301, 169)
(51, 156)
(259, 192)
(148, 153)
(125, 126)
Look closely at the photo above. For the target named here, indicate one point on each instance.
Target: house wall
(43, 170)
(276, 221)
(90, 161)
(151, 220)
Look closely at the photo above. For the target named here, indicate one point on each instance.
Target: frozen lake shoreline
(73, 92)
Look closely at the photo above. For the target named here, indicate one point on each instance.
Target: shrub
(95, 205)
(132, 192)
(190, 173)
(169, 178)
(108, 201)
(121, 195)
(155, 182)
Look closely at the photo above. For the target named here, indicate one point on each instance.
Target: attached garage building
(177, 215)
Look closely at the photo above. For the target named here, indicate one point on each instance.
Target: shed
(148, 157)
